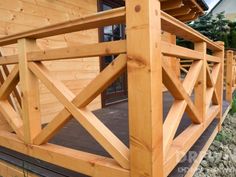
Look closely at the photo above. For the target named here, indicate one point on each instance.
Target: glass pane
(106, 7)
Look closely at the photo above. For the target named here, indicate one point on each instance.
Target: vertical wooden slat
(229, 75)
(145, 87)
(200, 87)
(29, 92)
(220, 81)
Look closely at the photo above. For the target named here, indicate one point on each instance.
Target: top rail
(174, 26)
(100, 19)
(110, 17)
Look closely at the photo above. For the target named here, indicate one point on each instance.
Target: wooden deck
(115, 117)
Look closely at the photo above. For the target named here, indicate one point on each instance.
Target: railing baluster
(229, 75)
(220, 80)
(29, 92)
(200, 88)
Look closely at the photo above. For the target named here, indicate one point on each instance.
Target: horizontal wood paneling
(22, 15)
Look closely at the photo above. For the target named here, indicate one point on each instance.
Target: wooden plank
(89, 50)
(169, 49)
(88, 120)
(106, 18)
(181, 145)
(6, 60)
(220, 80)
(145, 102)
(215, 75)
(114, 16)
(12, 118)
(201, 155)
(211, 92)
(16, 93)
(29, 91)
(85, 163)
(176, 112)
(229, 75)
(186, 140)
(80, 51)
(200, 87)
(169, 5)
(213, 58)
(174, 26)
(174, 85)
(10, 83)
(91, 91)
(179, 11)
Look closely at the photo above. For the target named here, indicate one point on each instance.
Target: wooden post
(220, 81)
(229, 75)
(145, 87)
(29, 92)
(200, 88)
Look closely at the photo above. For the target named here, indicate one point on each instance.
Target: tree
(216, 28)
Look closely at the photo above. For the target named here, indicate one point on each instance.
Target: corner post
(29, 92)
(229, 75)
(143, 20)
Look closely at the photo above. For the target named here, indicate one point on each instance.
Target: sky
(211, 3)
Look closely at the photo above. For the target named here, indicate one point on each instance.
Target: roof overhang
(184, 10)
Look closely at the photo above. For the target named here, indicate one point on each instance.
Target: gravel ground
(220, 159)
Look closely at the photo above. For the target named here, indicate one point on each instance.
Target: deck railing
(230, 67)
(154, 149)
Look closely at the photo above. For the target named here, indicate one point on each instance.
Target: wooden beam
(220, 80)
(188, 17)
(81, 51)
(82, 162)
(100, 19)
(200, 87)
(8, 60)
(114, 16)
(12, 117)
(91, 91)
(29, 91)
(174, 26)
(182, 144)
(169, 5)
(229, 75)
(174, 85)
(179, 11)
(213, 58)
(212, 94)
(169, 49)
(15, 90)
(10, 83)
(88, 120)
(178, 107)
(145, 101)
(89, 50)
(201, 155)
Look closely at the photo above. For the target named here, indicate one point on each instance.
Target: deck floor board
(115, 117)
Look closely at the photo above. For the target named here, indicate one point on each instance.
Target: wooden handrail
(174, 26)
(114, 16)
(106, 18)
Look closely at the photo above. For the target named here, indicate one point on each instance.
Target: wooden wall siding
(22, 15)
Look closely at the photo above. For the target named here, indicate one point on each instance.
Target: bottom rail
(82, 162)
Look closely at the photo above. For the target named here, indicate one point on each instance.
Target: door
(117, 91)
